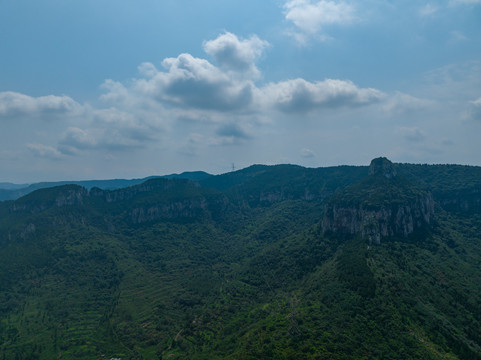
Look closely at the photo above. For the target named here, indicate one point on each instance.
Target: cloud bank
(13, 105)
(189, 103)
(302, 96)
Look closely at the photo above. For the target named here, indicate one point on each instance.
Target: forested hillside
(268, 262)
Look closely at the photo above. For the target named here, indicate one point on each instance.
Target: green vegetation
(377, 191)
(237, 268)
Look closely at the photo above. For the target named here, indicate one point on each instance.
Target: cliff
(43, 199)
(381, 206)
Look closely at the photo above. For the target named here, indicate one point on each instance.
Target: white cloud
(147, 69)
(75, 140)
(196, 83)
(301, 96)
(137, 125)
(306, 153)
(475, 111)
(111, 129)
(45, 151)
(116, 92)
(400, 103)
(232, 54)
(310, 17)
(13, 104)
(193, 88)
(191, 83)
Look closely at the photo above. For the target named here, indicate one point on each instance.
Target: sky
(101, 89)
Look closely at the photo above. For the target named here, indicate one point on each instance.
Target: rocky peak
(383, 205)
(382, 166)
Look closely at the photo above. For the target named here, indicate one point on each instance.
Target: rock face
(382, 166)
(396, 211)
(165, 199)
(375, 224)
(60, 196)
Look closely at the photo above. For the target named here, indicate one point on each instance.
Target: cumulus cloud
(147, 69)
(311, 16)
(110, 129)
(196, 83)
(187, 82)
(45, 151)
(302, 96)
(233, 54)
(192, 87)
(13, 104)
(116, 92)
(75, 140)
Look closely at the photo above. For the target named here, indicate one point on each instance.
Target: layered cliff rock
(383, 205)
(65, 195)
(164, 199)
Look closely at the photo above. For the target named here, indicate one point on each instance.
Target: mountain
(10, 186)
(267, 262)
(382, 205)
(10, 191)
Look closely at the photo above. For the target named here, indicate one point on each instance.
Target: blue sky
(108, 89)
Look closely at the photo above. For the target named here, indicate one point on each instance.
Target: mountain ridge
(9, 191)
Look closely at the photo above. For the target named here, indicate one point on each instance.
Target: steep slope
(382, 205)
(455, 187)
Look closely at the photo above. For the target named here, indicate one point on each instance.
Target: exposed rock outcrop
(40, 200)
(382, 166)
(73, 196)
(165, 199)
(375, 224)
(383, 206)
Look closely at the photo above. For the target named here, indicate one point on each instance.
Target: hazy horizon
(209, 173)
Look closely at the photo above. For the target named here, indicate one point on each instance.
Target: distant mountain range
(267, 262)
(9, 191)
